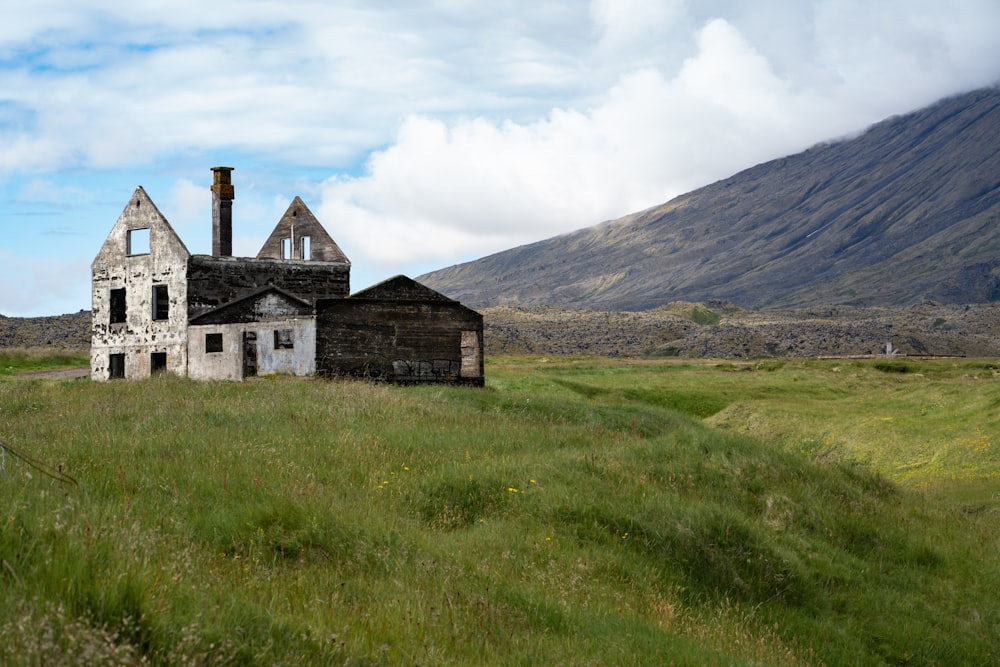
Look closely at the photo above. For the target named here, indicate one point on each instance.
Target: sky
(426, 133)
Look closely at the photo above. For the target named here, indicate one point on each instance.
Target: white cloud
(45, 191)
(31, 288)
(447, 190)
(636, 26)
(473, 187)
(189, 206)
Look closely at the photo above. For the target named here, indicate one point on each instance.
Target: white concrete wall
(228, 364)
(301, 360)
(165, 264)
(225, 365)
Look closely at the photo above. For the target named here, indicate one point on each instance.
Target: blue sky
(424, 134)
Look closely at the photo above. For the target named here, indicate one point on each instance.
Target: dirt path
(61, 374)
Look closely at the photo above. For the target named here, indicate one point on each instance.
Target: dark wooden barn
(400, 331)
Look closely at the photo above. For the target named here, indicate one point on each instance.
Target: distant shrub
(704, 317)
(893, 367)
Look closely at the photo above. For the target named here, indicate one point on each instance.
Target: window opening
(137, 242)
(116, 366)
(213, 342)
(306, 248)
(249, 353)
(157, 362)
(286, 248)
(161, 302)
(283, 339)
(117, 305)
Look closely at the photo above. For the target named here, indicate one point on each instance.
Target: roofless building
(159, 308)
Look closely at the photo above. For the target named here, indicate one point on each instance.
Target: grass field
(23, 360)
(575, 511)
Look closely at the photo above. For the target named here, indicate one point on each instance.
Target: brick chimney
(222, 212)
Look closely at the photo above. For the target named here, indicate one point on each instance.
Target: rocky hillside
(723, 331)
(712, 330)
(907, 211)
(69, 333)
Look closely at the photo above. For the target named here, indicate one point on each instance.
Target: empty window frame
(161, 302)
(213, 343)
(286, 248)
(157, 362)
(137, 242)
(117, 305)
(283, 339)
(116, 366)
(306, 246)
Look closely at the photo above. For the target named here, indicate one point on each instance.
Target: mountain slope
(906, 211)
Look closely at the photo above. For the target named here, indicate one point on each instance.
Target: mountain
(905, 212)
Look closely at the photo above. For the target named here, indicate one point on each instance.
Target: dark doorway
(161, 302)
(249, 354)
(117, 305)
(116, 366)
(157, 362)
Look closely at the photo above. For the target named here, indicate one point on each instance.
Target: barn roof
(400, 288)
(266, 304)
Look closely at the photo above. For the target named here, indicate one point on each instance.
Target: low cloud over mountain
(905, 212)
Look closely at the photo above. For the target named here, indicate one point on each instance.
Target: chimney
(222, 212)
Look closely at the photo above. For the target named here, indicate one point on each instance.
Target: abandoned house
(157, 307)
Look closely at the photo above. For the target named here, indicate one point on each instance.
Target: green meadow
(574, 512)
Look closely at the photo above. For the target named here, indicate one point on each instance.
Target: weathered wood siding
(216, 281)
(400, 341)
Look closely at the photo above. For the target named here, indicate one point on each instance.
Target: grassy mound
(572, 513)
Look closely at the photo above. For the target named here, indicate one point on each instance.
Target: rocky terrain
(712, 329)
(721, 330)
(63, 333)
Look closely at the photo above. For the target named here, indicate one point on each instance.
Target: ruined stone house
(157, 307)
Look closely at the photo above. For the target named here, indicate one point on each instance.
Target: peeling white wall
(225, 365)
(228, 364)
(140, 335)
(301, 360)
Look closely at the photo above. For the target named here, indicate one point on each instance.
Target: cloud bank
(469, 187)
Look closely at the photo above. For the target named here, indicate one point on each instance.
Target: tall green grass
(20, 360)
(579, 512)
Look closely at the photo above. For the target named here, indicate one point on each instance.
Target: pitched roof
(266, 304)
(140, 213)
(400, 288)
(296, 224)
